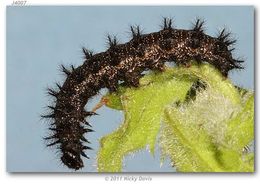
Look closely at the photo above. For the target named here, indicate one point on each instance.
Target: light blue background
(39, 39)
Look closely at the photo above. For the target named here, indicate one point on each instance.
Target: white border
(88, 179)
(135, 2)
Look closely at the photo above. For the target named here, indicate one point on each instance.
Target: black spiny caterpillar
(126, 62)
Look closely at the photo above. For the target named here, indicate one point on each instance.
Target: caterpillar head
(72, 159)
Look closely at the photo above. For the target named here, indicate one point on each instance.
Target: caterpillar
(126, 63)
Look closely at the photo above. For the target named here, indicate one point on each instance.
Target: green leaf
(209, 134)
(189, 146)
(113, 100)
(202, 135)
(143, 110)
(240, 131)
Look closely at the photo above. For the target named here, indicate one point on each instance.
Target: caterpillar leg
(158, 65)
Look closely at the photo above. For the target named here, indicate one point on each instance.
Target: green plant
(204, 130)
